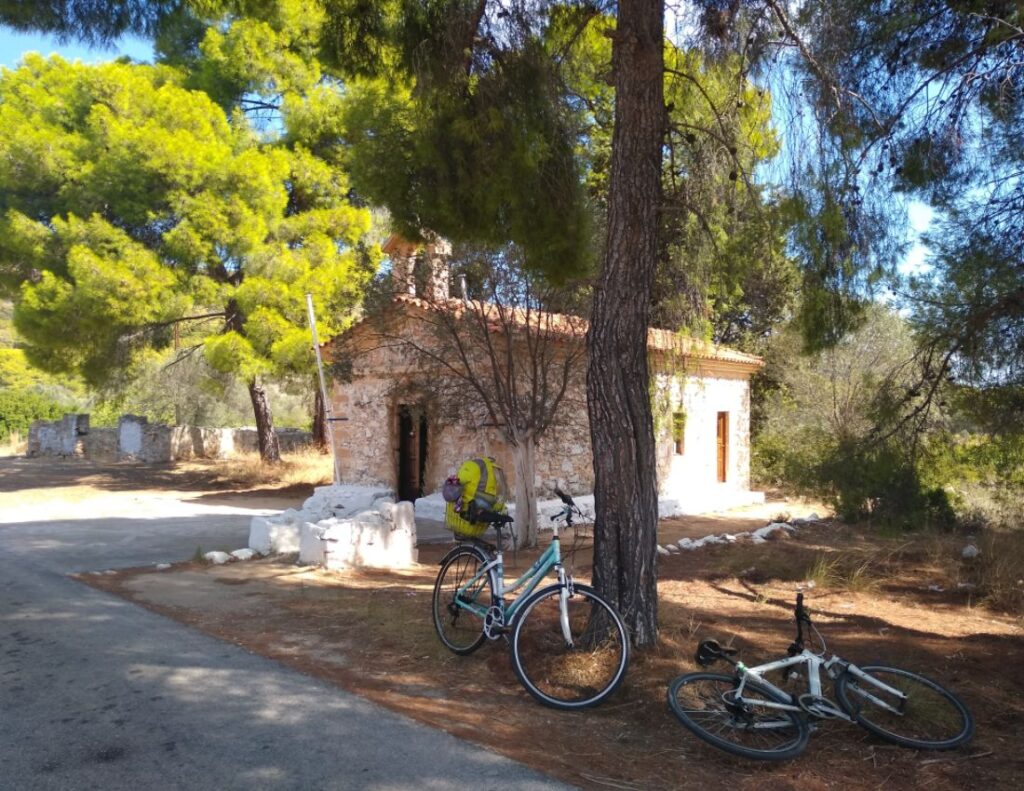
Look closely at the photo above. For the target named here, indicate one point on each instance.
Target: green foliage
(916, 98)
(490, 160)
(97, 21)
(15, 372)
(190, 392)
(19, 407)
(828, 429)
(131, 204)
(723, 270)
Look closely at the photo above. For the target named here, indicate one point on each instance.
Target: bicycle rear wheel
(926, 717)
(460, 629)
(706, 703)
(578, 672)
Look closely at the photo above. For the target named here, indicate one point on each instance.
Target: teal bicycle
(569, 646)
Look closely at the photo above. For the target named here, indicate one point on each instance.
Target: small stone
(685, 543)
(243, 554)
(970, 552)
(217, 558)
(935, 588)
(162, 566)
(729, 537)
(672, 548)
(108, 572)
(662, 550)
(813, 517)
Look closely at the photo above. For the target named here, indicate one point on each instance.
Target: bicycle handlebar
(565, 498)
(801, 618)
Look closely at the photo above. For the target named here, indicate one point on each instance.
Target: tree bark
(523, 459)
(319, 419)
(270, 448)
(618, 400)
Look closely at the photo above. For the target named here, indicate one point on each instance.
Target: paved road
(96, 693)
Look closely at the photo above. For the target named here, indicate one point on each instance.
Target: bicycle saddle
(494, 518)
(710, 651)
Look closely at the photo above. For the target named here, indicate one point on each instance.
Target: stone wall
(384, 378)
(136, 439)
(58, 437)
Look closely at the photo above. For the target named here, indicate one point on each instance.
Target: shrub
(20, 407)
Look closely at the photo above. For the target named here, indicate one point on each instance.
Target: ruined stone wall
(100, 444)
(136, 439)
(57, 437)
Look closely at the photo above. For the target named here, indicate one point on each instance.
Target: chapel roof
(661, 340)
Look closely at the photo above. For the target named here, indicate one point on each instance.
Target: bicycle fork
(565, 591)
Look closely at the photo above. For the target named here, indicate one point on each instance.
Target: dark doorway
(412, 452)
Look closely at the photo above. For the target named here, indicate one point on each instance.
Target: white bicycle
(746, 715)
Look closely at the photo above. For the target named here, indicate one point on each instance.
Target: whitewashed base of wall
(342, 527)
(759, 536)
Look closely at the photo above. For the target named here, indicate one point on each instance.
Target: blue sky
(14, 44)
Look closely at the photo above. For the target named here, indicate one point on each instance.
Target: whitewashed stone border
(340, 527)
(759, 536)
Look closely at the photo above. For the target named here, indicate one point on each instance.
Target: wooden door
(723, 445)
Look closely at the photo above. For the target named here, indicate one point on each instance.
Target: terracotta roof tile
(657, 339)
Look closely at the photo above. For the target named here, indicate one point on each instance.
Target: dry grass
(999, 571)
(247, 470)
(994, 579)
(853, 570)
(14, 445)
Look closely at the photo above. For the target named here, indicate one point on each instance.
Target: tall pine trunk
(618, 400)
(270, 448)
(523, 459)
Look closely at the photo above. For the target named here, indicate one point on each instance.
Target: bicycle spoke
(459, 628)
(923, 714)
(707, 704)
(574, 673)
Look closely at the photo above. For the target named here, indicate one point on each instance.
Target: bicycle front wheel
(904, 708)
(708, 705)
(460, 628)
(570, 650)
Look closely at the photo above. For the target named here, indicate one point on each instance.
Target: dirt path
(62, 488)
(371, 633)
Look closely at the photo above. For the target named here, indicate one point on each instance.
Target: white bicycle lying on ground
(746, 715)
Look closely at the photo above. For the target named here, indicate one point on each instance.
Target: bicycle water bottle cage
(710, 651)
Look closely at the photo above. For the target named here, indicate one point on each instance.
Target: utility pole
(323, 388)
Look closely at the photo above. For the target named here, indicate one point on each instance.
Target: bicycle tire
(461, 631)
(790, 727)
(945, 722)
(576, 676)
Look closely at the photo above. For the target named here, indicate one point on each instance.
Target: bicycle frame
(551, 558)
(815, 663)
